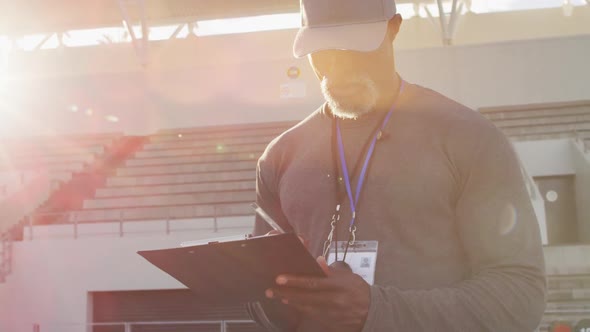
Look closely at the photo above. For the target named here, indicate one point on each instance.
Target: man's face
(352, 81)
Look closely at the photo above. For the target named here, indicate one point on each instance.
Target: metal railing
(5, 255)
(530, 183)
(69, 218)
(583, 141)
(537, 202)
(223, 325)
(7, 237)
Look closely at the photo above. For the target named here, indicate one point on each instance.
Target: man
(433, 188)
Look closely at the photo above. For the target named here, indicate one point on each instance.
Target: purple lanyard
(354, 200)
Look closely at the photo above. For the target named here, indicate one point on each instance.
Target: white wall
(236, 79)
(509, 73)
(581, 161)
(51, 277)
(546, 157)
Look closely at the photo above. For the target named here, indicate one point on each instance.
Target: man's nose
(338, 65)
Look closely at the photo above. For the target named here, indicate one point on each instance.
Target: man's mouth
(345, 90)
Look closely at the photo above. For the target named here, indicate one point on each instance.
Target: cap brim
(363, 37)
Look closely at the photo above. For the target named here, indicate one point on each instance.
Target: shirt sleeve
(270, 315)
(267, 196)
(500, 235)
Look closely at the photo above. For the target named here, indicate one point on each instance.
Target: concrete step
(568, 281)
(221, 134)
(580, 294)
(187, 168)
(192, 142)
(147, 180)
(208, 143)
(538, 111)
(92, 149)
(51, 168)
(572, 306)
(220, 149)
(163, 212)
(170, 200)
(543, 121)
(549, 129)
(169, 189)
(84, 157)
(239, 156)
(59, 143)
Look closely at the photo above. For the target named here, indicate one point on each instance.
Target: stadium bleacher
(184, 173)
(568, 299)
(209, 171)
(542, 121)
(12, 181)
(33, 168)
(584, 137)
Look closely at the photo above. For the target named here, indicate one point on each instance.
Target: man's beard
(351, 98)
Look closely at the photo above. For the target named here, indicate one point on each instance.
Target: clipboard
(235, 272)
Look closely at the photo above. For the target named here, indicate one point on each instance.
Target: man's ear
(393, 27)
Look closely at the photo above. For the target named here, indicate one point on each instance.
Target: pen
(267, 218)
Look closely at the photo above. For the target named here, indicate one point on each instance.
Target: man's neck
(388, 92)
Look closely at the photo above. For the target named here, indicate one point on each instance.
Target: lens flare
(508, 219)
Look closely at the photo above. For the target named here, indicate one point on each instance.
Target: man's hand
(339, 301)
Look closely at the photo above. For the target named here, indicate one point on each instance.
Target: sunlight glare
(5, 45)
(248, 24)
(111, 118)
(488, 6)
(90, 37)
(29, 42)
(51, 43)
(93, 37)
(163, 32)
(406, 10)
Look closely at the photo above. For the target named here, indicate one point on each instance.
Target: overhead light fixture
(5, 44)
(111, 118)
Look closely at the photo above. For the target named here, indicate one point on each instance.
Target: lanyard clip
(328, 242)
(352, 231)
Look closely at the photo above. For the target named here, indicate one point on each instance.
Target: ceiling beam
(141, 46)
(447, 26)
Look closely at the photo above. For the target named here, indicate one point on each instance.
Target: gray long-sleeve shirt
(459, 244)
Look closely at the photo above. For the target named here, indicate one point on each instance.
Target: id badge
(361, 257)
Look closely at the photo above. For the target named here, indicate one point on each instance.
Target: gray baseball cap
(356, 25)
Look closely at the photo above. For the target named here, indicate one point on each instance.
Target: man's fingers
(309, 283)
(298, 297)
(324, 265)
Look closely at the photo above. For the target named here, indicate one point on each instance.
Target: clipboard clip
(267, 218)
